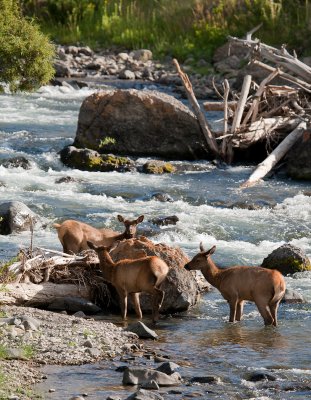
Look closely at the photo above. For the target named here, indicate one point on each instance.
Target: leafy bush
(26, 54)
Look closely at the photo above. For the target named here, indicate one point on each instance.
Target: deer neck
(211, 272)
(107, 266)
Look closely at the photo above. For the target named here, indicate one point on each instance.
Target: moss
(94, 162)
(158, 168)
(289, 265)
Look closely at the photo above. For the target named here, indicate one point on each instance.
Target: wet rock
(138, 375)
(205, 379)
(298, 158)
(150, 385)
(287, 259)
(168, 367)
(160, 359)
(91, 160)
(164, 221)
(163, 197)
(143, 394)
(292, 297)
(139, 121)
(67, 179)
(17, 217)
(158, 167)
(74, 304)
(16, 162)
(180, 286)
(62, 69)
(261, 376)
(142, 330)
(302, 275)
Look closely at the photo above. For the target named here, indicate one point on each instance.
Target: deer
(74, 235)
(236, 284)
(131, 277)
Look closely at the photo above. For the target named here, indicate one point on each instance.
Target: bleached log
(31, 294)
(210, 139)
(260, 129)
(241, 103)
(280, 57)
(264, 167)
(226, 146)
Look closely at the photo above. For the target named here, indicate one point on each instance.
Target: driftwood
(241, 103)
(30, 294)
(278, 153)
(219, 105)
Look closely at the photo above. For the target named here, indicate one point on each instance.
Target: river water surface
(245, 226)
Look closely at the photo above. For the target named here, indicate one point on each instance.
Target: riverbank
(31, 338)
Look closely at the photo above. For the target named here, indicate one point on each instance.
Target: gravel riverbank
(31, 338)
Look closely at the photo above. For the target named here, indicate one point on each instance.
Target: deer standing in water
(262, 286)
(74, 235)
(131, 277)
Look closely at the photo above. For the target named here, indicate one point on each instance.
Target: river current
(244, 225)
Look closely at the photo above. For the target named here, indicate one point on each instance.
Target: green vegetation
(6, 276)
(106, 141)
(26, 54)
(172, 27)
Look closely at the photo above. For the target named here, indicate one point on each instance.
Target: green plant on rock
(26, 54)
(28, 351)
(107, 140)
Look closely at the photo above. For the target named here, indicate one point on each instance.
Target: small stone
(168, 367)
(51, 390)
(205, 379)
(88, 343)
(93, 352)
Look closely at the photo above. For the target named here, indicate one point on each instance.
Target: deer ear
(211, 251)
(140, 219)
(201, 247)
(120, 218)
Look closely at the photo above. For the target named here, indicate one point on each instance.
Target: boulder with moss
(91, 160)
(287, 259)
(158, 167)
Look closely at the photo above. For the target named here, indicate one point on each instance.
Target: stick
(241, 103)
(254, 107)
(264, 167)
(226, 147)
(210, 139)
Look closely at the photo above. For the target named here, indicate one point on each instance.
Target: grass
(178, 28)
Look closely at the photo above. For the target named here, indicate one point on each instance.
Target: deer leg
(233, 308)
(274, 310)
(123, 302)
(264, 310)
(136, 302)
(158, 296)
(239, 310)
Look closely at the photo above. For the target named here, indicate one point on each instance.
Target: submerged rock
(16, 162)
(287, 259)
(147, 123)
(163, 221)
(139, 375)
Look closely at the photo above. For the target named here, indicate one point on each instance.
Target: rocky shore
(31, 338)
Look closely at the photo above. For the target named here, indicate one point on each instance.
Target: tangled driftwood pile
(277, 114)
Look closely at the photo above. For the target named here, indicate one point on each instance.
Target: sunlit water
(207, 204)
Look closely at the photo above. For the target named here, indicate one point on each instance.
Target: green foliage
(26, 54)
(5, 275)
(173, 27)
(106, 141)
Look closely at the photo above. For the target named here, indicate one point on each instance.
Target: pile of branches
(278, 114)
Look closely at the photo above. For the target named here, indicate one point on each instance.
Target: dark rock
(66, 179)
(147, 123)
(17, 217)
(73, 304)
(62, 69)
(150, 385)
(16, 162)
(205, 379)
(163, 221)
(91, 160)
(292, 296)
(261, 376)
(298, 158)
(158, 167)
(168, 367)
(287, 259)
(163, 197)
(142, 331)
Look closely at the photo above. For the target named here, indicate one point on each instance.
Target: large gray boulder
(287, 259)
(16, 217)
(181, 288)
(148, 123)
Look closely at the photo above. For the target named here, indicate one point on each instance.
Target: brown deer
(131, 277)
(74, 235)
(262, 286)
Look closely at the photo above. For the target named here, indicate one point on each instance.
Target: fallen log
(241, 103)
(264, 167)
(40, 295)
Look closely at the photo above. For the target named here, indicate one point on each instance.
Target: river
(244, 225)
